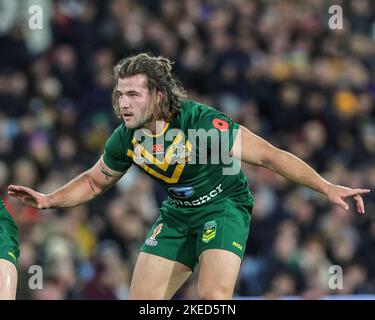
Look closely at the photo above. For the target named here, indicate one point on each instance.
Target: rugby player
(9, 253)
(181, 144)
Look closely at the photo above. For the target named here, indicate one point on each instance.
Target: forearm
(296, 170)
(78, 191)
(252, 149)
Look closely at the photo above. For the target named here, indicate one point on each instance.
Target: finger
(359, 204)
(342, 204)
(22, 190)
(16, 194)
(20, 193)
(13, 194)
(16, 188)
(359, 208)
(353, 192)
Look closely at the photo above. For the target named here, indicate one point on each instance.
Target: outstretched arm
(81, 189)
(252, 149)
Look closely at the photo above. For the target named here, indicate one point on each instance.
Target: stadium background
(273, 66)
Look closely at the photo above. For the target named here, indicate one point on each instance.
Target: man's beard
(143, 122)
(146, 118)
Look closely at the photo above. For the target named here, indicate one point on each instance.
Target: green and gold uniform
(9, 242)
(209, 203)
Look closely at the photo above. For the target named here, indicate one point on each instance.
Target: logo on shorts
(151, 241)
(237, 245)
(209, 231)
(10, 253)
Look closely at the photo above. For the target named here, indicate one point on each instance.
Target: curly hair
(159, 78)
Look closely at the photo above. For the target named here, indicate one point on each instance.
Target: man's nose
(123, 101)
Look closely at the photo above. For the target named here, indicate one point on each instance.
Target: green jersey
(189, 159)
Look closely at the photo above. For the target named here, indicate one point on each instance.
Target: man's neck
(156, 126)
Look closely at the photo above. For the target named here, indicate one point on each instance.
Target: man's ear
(159, 97)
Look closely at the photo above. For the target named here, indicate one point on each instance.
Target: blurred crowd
(274, 66)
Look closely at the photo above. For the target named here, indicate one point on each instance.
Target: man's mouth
(127, 115)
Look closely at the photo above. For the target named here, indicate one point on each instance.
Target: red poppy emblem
(222, 125)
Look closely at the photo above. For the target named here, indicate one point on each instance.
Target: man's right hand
(29, 196)
(81, 189)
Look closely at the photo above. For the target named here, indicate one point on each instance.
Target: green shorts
(182, 234)
(9, 241)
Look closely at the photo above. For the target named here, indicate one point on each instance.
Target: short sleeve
(115, 152)
(212, 120)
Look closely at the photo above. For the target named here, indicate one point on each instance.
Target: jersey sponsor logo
(237, 245)
(201, 200)
(181, 192)
(209, 231)
(220, 124)
(151, 241)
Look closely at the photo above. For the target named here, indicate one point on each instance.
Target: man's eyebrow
(127, 91)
